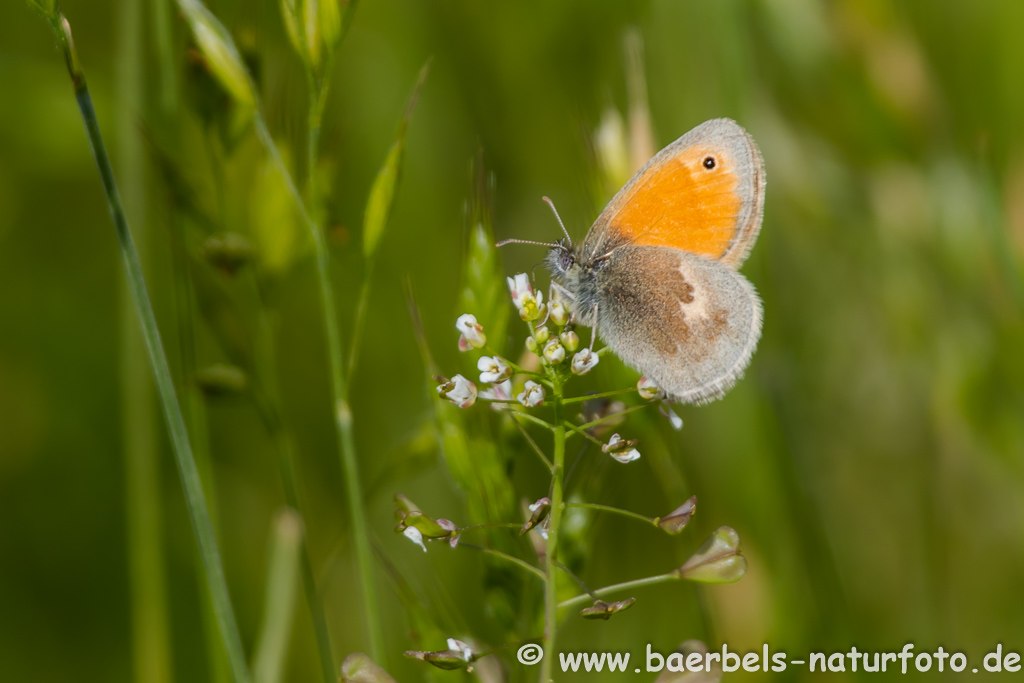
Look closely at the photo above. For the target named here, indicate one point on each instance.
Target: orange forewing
(683, 205)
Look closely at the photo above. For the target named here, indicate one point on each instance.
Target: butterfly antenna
(559, 218)
(515, 241)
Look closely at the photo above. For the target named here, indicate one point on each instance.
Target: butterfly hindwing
(687, 322)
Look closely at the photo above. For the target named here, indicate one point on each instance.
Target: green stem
(151, 649)
(339, 385)
(191, 483)
(493, 525)
(618, 511)
(509, 558)
(550, 555)
(606, 418)
(339, 389)
(535, 420)
(608, 590)
(605, 394)
(578, 580)
(362, 305)
(579, 431)
(533, 444)
(268, 402)
(162, 27)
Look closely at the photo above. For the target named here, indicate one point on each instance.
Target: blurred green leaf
(483, 292)
(311, 23)
(382, 193)
(221, 380)
(219, 49)
(279, 598)
(290, 15)
(277, 227)
(359, 668)
(604, 610)
(718, 560)
(330, 23)
(45, 7)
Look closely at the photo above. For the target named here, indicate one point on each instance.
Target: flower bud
(620, 449)
(221, 380)
(403, 506)
(531, 345)
(718, 560)
(584, 361)
(358, 668)
(541, 335)
(473, 336)
(675, 521)
(604, 610)
(647, 388)
(558, 313)
(457, 656)
(458, 390)
(570, 340)
(493, 369)
(540, 511)
(532, 394)
(425, 525)
(227, 252)
(554, 352)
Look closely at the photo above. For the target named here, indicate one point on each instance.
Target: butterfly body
(657, 274)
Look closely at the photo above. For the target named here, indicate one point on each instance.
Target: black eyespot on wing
(709, 163)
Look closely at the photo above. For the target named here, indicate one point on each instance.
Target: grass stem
(615, 588)
(194, 497)
(550, 555)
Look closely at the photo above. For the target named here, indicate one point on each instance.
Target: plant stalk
(151, 649)
(191, 483)
(626, 585)
(340, 386)
(618, 511)
(550, 559)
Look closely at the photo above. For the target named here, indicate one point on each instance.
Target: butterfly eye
(709, 163)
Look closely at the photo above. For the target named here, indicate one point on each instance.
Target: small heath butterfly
(656, 276)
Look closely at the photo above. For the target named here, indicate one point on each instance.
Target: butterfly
(657, 275)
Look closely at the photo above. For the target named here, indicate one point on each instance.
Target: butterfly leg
(593, 327)
(562, 291)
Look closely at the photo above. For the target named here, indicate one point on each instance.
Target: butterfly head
(561, 259)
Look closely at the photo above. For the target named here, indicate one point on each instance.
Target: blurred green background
(872, 460)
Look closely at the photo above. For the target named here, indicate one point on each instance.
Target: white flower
(493, 369)
(529, 302)
(584, 361)
(459, 391)
(620, 449)
(465, 652)
(647, 388)
(501, 392)
(414, 535)
(473, 336)
(533, 394)
(543, 528)
(554, 352)
(677, 422)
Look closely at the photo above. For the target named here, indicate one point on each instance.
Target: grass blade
(279, 598)
(191, 483)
